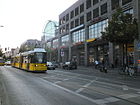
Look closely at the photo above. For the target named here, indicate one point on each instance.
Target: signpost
(62, 52)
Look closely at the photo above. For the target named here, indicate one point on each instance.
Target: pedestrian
(104, 69)
(96, 64)
(74, 63)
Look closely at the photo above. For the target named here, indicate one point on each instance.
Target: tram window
(32, 58)
(40, 58)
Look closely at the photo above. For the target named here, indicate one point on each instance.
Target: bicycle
(130, 70)
(127, 70)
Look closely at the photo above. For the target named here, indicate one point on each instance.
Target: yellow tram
(2, 62)
(34, 60)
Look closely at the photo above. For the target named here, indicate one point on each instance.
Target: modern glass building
(80, 28)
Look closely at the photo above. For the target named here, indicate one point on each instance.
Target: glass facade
(48, 45)
(55, 43)
(96, 29)
(78, 36)
(65, 40)
(129, 11)
(83, 23)
(49, 30)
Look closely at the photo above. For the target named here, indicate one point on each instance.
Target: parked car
(50, 66)
(56, 64)
(69, 65)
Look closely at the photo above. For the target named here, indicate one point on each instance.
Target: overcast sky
(26, 19)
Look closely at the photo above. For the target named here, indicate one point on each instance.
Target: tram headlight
(36, 65)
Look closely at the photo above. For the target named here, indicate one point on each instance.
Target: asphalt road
(60, 87)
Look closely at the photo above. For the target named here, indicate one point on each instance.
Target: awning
(91, 40)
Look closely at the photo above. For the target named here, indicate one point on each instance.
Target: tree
(122, 29)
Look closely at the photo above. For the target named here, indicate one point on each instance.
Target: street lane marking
(48, 76)
(57, 82)
(101, 101)
(66, 79)
(72, 92)
(126, 96)
(115, 85)
(63, 80)
(112, 99)
(111, 84)
(125, 87)
(97, 101)
(109, 99)
(85, 86)
(104, 83)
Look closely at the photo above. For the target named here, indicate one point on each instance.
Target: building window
(81, 20)
(48, 44)
(65, 40)
(72, 25)
(60, 21)
(95, 2)
(82, 8)
(76, 11)
(96, 29)
(76, 22)
(67, 17)
(125, 1)
(130, 11)
(88, 4)
(78, 36)
(55, 43)
(64, 20)
(103, 8)
(72, 14)
(115, 4)
(67, 27)
(95, 12)
(63, 29)
(89, 16)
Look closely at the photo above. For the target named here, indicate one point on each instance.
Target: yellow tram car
(2, 62)
(34, 60)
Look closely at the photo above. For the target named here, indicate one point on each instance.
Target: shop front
(98, 50)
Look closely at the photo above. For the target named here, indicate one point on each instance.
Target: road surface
(59, 87)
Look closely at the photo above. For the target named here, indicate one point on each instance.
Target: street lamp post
(1, 26)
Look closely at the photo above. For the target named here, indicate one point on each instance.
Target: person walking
(103, 67)
(96, 64)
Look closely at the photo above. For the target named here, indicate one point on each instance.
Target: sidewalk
(110, 73)
(114, 71)
(92, 69)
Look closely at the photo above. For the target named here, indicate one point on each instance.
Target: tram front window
(40, 58)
